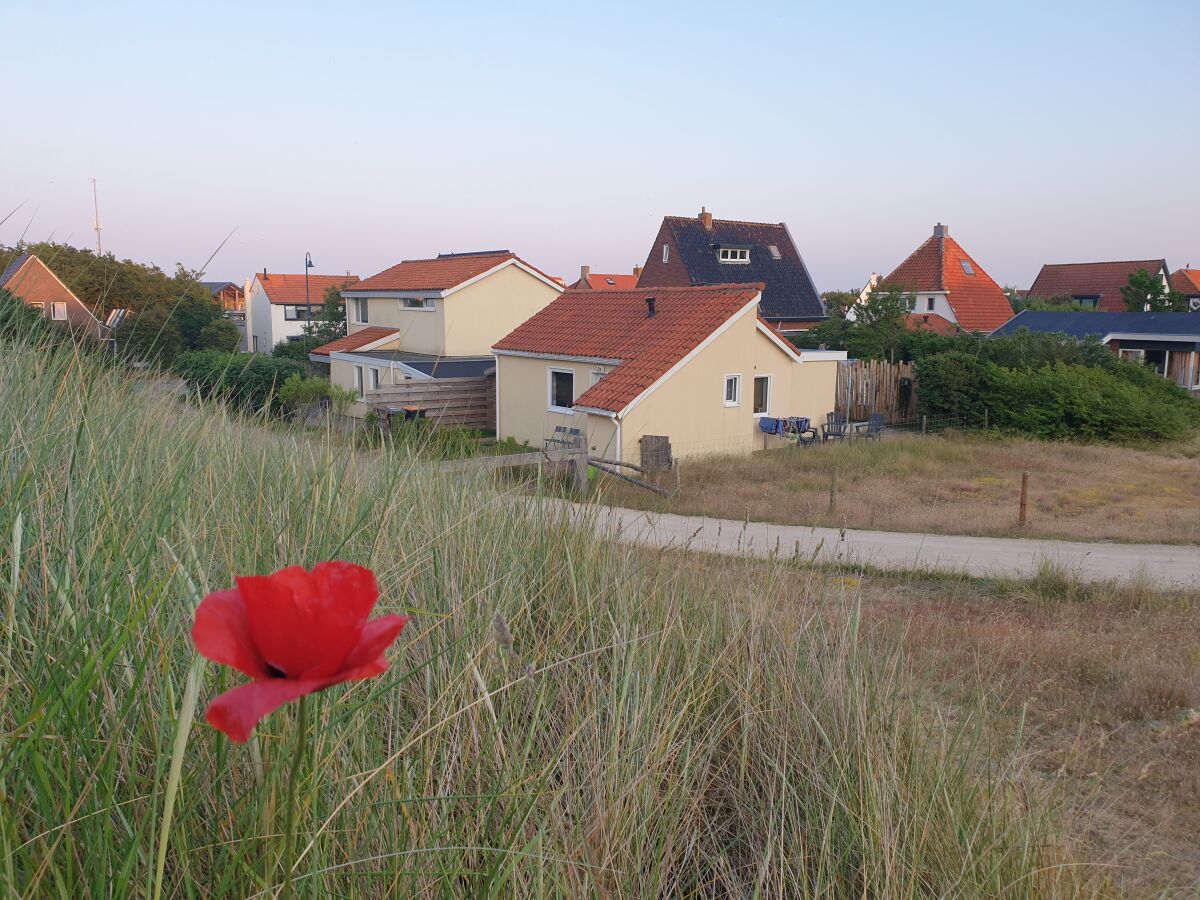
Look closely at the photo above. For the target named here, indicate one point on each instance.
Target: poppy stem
(289, 854)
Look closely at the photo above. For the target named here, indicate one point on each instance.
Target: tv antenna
(97, 226)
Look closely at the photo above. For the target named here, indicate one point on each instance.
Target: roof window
(966, 266)
(775, 254)
(733, 255)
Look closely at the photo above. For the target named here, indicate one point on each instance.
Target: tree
(193, 314)
(220, 334)
(838, 303)
(151, 335)
(329, 324)
(1146, 292)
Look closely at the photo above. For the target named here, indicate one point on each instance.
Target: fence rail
(873, 386)
(467, 402)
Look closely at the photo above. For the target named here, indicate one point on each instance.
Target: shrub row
(251, 381)
(1118, 401)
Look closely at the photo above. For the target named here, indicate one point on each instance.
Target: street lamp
(308, 264)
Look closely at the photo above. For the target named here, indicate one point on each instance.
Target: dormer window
(733, 255)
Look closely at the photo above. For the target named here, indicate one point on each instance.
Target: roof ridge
(1109, 262)
(729, 221)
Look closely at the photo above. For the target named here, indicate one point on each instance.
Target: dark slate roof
(9, 272)
(435, 366)
(214, 286)
(1184, 325)
(790, 292)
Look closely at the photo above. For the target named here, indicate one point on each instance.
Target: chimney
(940, 230)
(650, 308)
(706, 219)
(264, 271)
(584, 272)
(637, 271)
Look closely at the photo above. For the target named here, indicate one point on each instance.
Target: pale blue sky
(369, 133)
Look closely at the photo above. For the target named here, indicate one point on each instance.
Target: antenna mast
(97, 226)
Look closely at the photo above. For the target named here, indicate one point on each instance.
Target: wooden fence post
(579, 462)
(985, 419)
(833, 492)
(923, 423)
(1024, 498)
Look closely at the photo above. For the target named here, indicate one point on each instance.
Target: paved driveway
(1165, 564)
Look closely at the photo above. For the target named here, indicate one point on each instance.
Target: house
(950, 288)
(696, 365)
(597, 281)
(426, 319)
(278, 306)
(1186, 281)
(226, 293)
(1095, 285)
(1167, 341)
(704, 251)
(32, 280)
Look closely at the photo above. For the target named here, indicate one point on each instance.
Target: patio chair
(801, 428)
(836, 427)
(564, 438)
(872, 428)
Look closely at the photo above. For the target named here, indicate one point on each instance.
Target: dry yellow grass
(951, 484)
(1099, 685)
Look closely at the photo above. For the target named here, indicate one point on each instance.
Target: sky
(238, 136)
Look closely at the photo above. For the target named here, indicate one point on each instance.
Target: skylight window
(734, 255)
(775, 254)
(966, 267)
(609, 281)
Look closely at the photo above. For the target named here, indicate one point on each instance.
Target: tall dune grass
(565, 717)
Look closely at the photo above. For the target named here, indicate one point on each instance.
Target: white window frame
(930, 302)
(737, 390)
(55, 307)
(738, 256)
(256, 343)
(666, 253)
(39, 306)
(299, 312)
(767, 405)
(426, 304)
(362, 315)
(376, 380)
(550, 373)
(358, 382)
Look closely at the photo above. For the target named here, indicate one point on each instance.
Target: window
(666, 252)
(562, 390)
(40, 307)
(762, 394)
(358, 381)
(58, 312)
(610, 281)
(294, 338)
(300, 313)
(256, 343)
(929, 302)
(360, 311)
(375, 379)
(416, 303)
(734, 255)
(733, 390)
(966, 266)
(775, 254)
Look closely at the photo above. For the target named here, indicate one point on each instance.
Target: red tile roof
(979, 303)
(445, 271)
(1098, 279)
(360, 338)
(289, 289)
(1186, 281)
(601, 281)
(614, 325)
(930, 322)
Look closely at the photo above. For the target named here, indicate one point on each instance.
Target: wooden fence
(468, 402)
(874, 386)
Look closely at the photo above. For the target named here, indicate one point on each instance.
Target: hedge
(249, 380)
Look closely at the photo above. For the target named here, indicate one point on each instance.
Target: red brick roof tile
(289, 289)
(979, 303)
(930, 322)
(614, 325)
(602, 281)
(443, 272)
(360, 338)
(1097, 279)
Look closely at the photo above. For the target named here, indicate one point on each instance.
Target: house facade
(696, 365)
(30, 279)
(230, 296)
(278, 305)
(1168, 342)
(690, 252)
(950, 290)
(1094, 285)
(429, 319)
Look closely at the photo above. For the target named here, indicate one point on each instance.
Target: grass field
(957, 483)
(564, 717)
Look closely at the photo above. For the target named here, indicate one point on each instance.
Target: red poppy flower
(294, 632)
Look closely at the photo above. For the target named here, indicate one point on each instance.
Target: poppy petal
(237, 711)
(276, 609)
(379, 634)
(221, 633)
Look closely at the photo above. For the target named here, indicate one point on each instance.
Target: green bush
(299, 391)
(220, 334)
(248, 380)
(151, 335)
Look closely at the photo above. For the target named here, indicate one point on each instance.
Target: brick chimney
(637, 271)
(940, 230)
(584, 272)
(705, 219)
